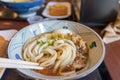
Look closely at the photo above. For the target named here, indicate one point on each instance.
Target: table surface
(112, 58)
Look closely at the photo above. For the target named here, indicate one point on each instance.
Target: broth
(59, 54)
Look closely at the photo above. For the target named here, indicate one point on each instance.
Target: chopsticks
(10, 63)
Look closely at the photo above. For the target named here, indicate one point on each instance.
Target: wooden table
(112, 58)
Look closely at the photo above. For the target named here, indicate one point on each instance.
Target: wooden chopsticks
(10, 63)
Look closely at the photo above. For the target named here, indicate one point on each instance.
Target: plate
(46, 11)
(7, 34)
(93, 40)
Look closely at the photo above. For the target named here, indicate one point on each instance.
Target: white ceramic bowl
(96, 54)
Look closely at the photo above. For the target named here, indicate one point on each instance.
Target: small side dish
(3, 53)
(3, 46)
(57, 10)
(5, 36)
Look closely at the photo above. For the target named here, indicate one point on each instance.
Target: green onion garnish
(37, 42)
(54, 37)
(93, 44)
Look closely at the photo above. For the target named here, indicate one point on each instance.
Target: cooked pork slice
(79, 62)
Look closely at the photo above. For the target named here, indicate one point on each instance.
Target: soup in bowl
(60, 54)
(64, 51)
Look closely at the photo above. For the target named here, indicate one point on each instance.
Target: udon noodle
(59, 54)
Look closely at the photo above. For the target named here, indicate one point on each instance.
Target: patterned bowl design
(94, 42)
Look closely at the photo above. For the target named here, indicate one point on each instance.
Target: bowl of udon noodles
(65, 49)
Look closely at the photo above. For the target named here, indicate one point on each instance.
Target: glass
(98, 11)
(35, 19)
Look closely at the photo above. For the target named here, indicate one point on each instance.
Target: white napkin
(112, 31)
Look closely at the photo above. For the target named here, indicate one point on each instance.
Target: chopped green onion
(93, 44)
(68, 38)
(54, 37)
(37, 42)
(49, 43)
(42, 43)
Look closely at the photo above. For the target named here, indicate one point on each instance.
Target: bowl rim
(10, 2)
(74, 76)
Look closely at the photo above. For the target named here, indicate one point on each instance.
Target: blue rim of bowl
(21, 2)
